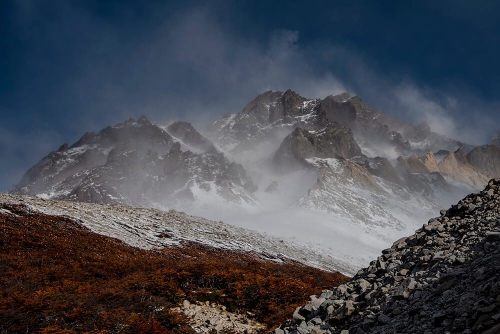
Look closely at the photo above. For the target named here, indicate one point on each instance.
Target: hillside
(56, 276)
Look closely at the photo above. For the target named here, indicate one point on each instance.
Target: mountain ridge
(282, 155)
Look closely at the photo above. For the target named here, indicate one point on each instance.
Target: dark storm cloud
(73, 67)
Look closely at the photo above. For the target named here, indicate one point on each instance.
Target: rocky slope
(442, 279)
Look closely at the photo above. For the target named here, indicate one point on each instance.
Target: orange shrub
(58, 277)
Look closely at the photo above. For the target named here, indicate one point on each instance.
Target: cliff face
(332, 141)
(442, 279)
(456, 166)
(485, 159)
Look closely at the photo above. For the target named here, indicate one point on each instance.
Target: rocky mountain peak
(341, 98)
(262, 104)
(416, 165)
(430, 162)
(461, 156)
(63, 147)
(289, 106)
(143, 120)
(330, 142)
(186, 133)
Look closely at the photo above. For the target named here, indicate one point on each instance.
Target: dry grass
(58, 277)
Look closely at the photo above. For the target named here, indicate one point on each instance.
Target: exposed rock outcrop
(188, 135)
(456, 166)
(353, 113)
(485, 159)
(209, 318)
(332, 141)
(430, 162)
(416, 165)
(381, 167)
(442, 279)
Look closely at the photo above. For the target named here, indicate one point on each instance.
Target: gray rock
(383, 319)
(492, 236)
(297, 316)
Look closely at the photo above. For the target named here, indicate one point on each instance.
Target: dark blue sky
(67, 67)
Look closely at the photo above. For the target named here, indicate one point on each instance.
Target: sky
(70, 67)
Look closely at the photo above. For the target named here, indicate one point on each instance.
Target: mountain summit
(344, 169)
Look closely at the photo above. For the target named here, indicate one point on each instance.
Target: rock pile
(209, 318)
(442, 279)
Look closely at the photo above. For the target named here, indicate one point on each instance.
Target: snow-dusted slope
(150, 228)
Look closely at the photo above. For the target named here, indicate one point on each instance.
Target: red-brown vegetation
(58, 277)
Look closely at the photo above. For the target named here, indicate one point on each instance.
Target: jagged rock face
(486, 159)
(416, 165)
(332, 141)
(58, 166)
(267, 118)
(456, 166)
(90, 151)
(352, 112)
(430, 162)
(442, 279)
(381, 167)
(333, 193)
(188, 135)
(138, 163)
(369, 125)
(417, 177)
(165, 181)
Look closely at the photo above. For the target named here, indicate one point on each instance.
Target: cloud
(460, 117)
(419, 108)
(187, 65)
(191, 67)
(18, 152)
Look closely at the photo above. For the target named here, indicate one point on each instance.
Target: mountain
(59, 276)
(442, 279)
(332, 175)
(140, 163)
